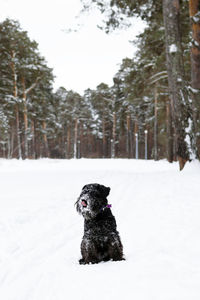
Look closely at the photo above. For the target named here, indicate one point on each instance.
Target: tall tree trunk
(25, 93)
(80, 141)
(68, 142)
(113, 153)
(176, 80)
(146, 143)
(75, 137)
(131, 138)
(18, 132)
(12, 140)
(89, 146)
(194, 8)
(37, 140)
(33, 139)
(25, 120)
(9, 146)
(104, 136)
(128, 138)
(46, 147)
(4, 150)
(170, 154)
(15, 94)
(136, 138)
(64, 150)
(156, 122)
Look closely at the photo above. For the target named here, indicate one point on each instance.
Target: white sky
(82, 59)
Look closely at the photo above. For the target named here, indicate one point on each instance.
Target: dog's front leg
(89, 252)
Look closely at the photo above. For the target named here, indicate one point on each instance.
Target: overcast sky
(82, 59)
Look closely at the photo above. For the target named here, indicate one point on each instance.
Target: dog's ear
(105, 190)
(84, 187)
(87, 187)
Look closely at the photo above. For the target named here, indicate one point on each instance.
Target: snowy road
(157, 209)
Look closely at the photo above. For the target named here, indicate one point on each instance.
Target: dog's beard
(84, 207)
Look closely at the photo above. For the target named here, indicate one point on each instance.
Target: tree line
(170, 45)
(151, 110)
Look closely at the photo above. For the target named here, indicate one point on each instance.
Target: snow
(157, 210)
(172, 48)
(196, 17)
(194, 91)
(188, 131)
(196, 43)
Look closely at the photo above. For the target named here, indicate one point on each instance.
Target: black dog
(101, 241)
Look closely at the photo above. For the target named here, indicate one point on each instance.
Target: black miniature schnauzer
(101, 241)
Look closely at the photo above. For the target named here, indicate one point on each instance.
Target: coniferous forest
(151, 111)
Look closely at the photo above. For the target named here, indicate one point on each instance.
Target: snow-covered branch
(32, 86)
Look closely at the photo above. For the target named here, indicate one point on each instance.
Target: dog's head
(92, 200)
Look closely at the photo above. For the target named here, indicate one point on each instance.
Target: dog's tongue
(84, 203)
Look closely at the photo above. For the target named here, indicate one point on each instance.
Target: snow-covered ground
(157, 209)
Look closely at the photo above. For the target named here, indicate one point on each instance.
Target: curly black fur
(101, 241)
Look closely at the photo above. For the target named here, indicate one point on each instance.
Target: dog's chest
(99, 227)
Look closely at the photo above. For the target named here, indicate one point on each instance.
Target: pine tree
(22, 68)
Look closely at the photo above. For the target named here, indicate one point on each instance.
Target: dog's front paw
(82, 261)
